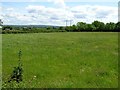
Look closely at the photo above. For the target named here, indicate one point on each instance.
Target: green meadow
(62, 60)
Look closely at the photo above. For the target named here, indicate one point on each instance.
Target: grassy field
(62, 60)
(0, 58)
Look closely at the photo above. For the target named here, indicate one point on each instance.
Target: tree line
(95, 26)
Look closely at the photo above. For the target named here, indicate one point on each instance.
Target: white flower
(34, 76)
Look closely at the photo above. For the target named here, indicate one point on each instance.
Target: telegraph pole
(1, 23)
(71, 22)
(66, 22)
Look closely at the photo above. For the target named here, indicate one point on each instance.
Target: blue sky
(55, 12)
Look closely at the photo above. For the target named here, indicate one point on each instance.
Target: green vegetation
(96, 26)
(17, 73)
(62, 60)
(0, 58)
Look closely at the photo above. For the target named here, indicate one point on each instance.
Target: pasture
(62, 60)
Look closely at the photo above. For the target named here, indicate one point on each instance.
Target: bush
(17, 73)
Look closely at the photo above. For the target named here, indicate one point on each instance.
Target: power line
(71, 22)
(68, 21)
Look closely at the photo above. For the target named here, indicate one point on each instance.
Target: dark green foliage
(91, 27)
(117, 28)
(48, 28)
(60, 28)
(27, 28)
(95, 26)
(1, 23)
(72, 28)
(53, 27)
(17, 73)
(68, 28)
(110, 26)
(100, 26)
(7, 28)
(81, 26)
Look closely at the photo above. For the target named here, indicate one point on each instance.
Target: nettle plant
(17, 74)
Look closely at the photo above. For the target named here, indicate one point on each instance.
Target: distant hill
(37, 26)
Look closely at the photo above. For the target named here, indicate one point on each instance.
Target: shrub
(17, 73)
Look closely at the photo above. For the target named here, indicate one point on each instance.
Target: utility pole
(1, 23)
(71, 22)
(66, 22)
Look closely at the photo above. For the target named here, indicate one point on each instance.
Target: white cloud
(33, 9)
(0, 9)
(56, 16)
(47, 11)
(58, 3)
(10, 9)
(64, 0)
(91, 13)
(0, 12)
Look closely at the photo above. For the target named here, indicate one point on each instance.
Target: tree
(7, 28)
(74, 28)
(81, 26)
(110, 26)
(117, 27)
(68, 28)
(53, 27)
(25, 28)
(100, 26)
(61, 28)
(90, 27)
(1, 23)
(48, 28)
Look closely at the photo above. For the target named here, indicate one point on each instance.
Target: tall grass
(64, 60)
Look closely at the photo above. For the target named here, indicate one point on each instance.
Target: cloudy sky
(56, 12)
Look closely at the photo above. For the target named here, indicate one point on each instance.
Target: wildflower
(34, 76)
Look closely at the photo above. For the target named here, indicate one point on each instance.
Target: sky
(56, 12)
